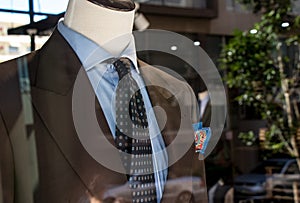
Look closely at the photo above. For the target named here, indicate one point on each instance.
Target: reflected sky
(42, 6)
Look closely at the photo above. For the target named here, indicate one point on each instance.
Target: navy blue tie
(132, 135)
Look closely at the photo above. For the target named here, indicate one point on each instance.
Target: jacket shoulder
(171, 84)
(163, 77)
(9, 69)
(10, 104)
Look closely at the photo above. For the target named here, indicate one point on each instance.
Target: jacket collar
(58, 67)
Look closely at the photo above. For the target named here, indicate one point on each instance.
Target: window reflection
(179, 189)
(15, 5)
(46, 6)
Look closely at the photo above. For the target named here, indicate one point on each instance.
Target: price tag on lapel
(202, 137)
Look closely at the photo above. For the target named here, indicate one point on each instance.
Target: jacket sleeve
(6, 165)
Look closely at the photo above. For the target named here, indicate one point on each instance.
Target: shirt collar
(89, 53)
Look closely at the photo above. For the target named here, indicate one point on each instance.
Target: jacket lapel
(52, 91)
(160, 96)
(175, 98)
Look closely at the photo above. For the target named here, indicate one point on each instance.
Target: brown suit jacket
(67, 173)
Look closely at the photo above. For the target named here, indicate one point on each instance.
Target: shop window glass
(233, 5)
(14, 19)
(179, 3)
(13, 49)
(14, 5)
(53, 6)
(296, 7)
(39, 17)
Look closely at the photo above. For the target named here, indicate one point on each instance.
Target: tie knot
(122, 66)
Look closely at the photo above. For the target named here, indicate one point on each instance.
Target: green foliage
(247, 137)
(251, 61)
(273, 143)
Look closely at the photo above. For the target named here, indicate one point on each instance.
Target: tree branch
(284, 86)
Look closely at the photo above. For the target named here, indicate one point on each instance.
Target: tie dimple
(122, 67)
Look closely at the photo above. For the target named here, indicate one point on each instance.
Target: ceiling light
(253, 31)
(174, 48)
(285, 24)
(197, 43)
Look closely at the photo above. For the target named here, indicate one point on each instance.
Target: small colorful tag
(202, 137)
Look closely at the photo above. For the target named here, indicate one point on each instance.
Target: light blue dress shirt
(104, 79)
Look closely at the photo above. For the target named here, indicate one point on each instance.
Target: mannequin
(66, 171)
(107, 23)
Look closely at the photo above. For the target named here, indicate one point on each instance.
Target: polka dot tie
(132, 135)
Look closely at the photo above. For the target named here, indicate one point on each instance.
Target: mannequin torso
(67, 172)
(107, 23)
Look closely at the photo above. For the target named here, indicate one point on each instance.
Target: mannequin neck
(109, 28)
